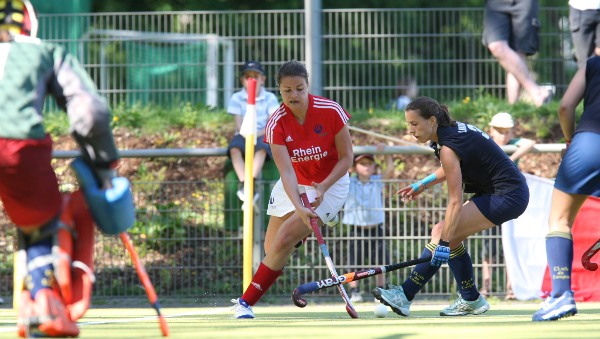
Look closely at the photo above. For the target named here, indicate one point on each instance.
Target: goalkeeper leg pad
(71, 262)
(77, 277)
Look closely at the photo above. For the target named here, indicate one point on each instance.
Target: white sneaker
(254, 201)
(395, 298)
(240, 194)
(242, 309)
(356, 297)
(464, 307)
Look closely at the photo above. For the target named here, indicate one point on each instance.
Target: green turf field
(504, 320)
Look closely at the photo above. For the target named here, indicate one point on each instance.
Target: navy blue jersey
(590, 119)
(484, 165)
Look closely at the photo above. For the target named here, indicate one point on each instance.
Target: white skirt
(333, 201)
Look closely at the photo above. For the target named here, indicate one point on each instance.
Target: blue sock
(420, 275)
(462, 269)
(559, 250)
(41, 275)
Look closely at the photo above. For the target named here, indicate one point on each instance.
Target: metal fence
(171, 57)
(191, 249)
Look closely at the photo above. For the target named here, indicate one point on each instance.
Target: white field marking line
(153, 317)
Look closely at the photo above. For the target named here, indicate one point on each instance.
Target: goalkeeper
(57, 270)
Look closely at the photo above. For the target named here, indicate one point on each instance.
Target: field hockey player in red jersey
(312, 147)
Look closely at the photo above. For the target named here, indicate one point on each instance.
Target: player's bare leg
(513, 88)
(237, 161)
(259, 161)
(514, 63)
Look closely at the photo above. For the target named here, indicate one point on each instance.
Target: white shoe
(464, 307)
(356, 297)
(242, 309)
(240, 194)
(254, 201)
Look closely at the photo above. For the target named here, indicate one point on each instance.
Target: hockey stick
(587, 256)
(349, 277)
(313, 223)
(143, 275)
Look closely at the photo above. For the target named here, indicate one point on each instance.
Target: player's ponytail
(428, 107)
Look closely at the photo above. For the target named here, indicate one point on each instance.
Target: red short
(28, 184)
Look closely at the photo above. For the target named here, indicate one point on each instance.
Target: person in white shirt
(266, 104)
(365, 216)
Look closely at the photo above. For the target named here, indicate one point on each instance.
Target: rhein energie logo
(308, 154)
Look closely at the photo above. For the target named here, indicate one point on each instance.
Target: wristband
(427, 180)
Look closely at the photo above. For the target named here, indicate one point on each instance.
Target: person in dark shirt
(578, 177)
(471, 158)
(502, 131)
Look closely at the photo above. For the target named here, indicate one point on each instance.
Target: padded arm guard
(112, 209)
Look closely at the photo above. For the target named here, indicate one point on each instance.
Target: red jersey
(311, 146)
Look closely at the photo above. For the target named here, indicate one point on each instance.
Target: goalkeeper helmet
(18, 17)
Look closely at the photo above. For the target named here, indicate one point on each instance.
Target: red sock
(261, 282)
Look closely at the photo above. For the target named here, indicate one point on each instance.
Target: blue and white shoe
(556, 308)
(242, 309)
(395, 298)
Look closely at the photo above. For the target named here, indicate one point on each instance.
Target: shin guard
(76, 282)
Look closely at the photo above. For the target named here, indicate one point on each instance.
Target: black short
(515, 22)
(239, 142)
(500, 208)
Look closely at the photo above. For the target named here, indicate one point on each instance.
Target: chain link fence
(189, 253)
(171, 57)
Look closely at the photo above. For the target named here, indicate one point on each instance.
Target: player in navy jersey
(312, 147)
(471, 158)
(578, 177)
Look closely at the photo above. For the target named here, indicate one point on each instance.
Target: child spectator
(364, 214)
(502, 132)
(266, 104)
